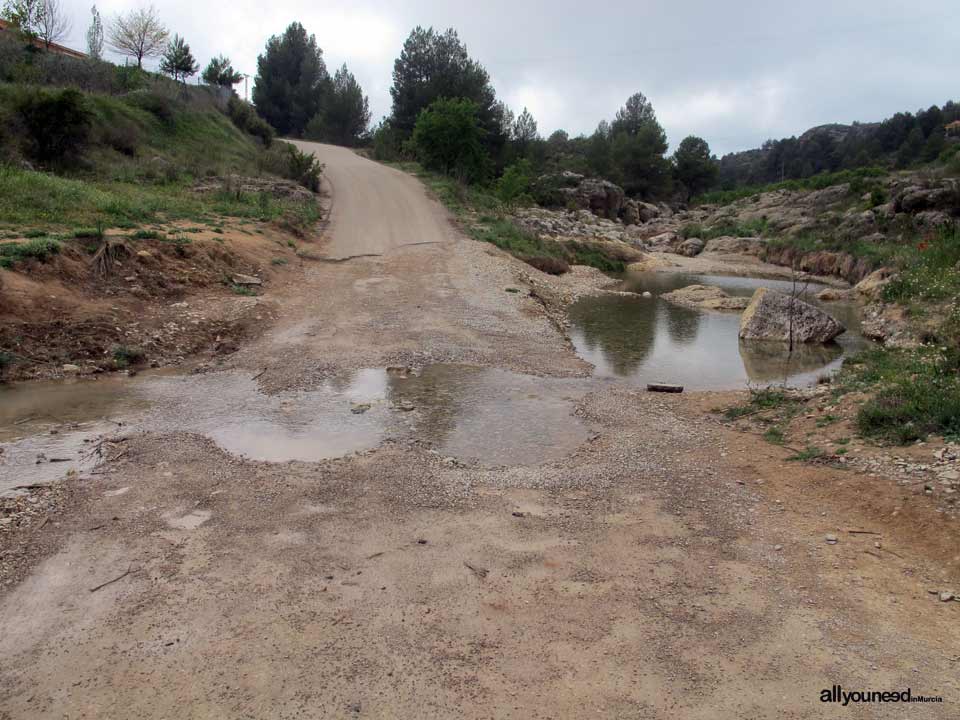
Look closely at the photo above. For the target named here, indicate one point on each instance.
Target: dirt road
(654, 565)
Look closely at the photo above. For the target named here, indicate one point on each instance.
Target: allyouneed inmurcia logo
(837, 694)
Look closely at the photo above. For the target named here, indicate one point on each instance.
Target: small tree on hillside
(53, 24)
(178, 61)
(694, 167)
(220, 72)
(448, 138)
(95, 35)
(139, 34)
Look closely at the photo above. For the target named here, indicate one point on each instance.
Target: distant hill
(899, 141)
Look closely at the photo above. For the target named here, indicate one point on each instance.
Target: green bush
(160, 106)
(916, 392)
(930, 270)
(289, 162)
(514, 185)
(386, 143)
(41, 249)
(57, 124)
(448, 138)
(243, 115)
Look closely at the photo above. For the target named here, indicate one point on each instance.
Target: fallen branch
(110, 582)
(259, 374)
(478, 571)
(864, 532)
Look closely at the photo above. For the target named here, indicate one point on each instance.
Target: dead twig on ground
(116, 579)
(480, 572)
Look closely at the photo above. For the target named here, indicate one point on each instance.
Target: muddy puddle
(650, 340)
(487, 416)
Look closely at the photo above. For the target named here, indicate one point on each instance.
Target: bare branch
(53, 24)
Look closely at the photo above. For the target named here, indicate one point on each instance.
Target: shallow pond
(651, 340)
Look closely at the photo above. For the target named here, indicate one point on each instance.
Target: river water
(643, 340)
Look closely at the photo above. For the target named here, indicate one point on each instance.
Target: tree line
(900, 141)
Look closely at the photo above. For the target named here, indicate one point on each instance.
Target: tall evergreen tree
(292, 81)
(434, 65)
(636, 113)
(346, 116)
(694, 167)
(524, 132)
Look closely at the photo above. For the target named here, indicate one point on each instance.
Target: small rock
(778, 548)
(246, 280)
(360, 408)
(831, 539)
(946, 596)
(71, 368)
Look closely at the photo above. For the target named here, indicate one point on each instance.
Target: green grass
(930, 270)
(147, 235)
(278, 261)
(139, 168)
(37, 249)
(763, 399)
(811, 452)
(775, 435)
(242, 290)
(915, 393)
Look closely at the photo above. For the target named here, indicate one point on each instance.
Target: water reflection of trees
(682, 324)
(440, 393)
(622, 329)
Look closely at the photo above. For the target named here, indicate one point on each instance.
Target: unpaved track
(636, 578)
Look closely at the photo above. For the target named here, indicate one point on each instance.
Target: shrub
(916, 392)
(386, 143)
(160, 106)
(243, 115)
(514, 185)
(549, 265)
(448, 138)
(289, 162)
(57, 124)
(41, 249)
(124, 356)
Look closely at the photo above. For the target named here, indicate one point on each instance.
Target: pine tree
(292, 81)
(220, 72)
(178, 61)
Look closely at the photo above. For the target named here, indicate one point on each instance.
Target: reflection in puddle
(650, 340)
(490, 416)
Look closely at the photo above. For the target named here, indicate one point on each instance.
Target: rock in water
(768, 317)
(707, 297)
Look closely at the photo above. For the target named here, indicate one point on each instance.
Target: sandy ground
(668, 567)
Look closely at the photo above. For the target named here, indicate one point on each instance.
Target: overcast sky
(735, 73)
